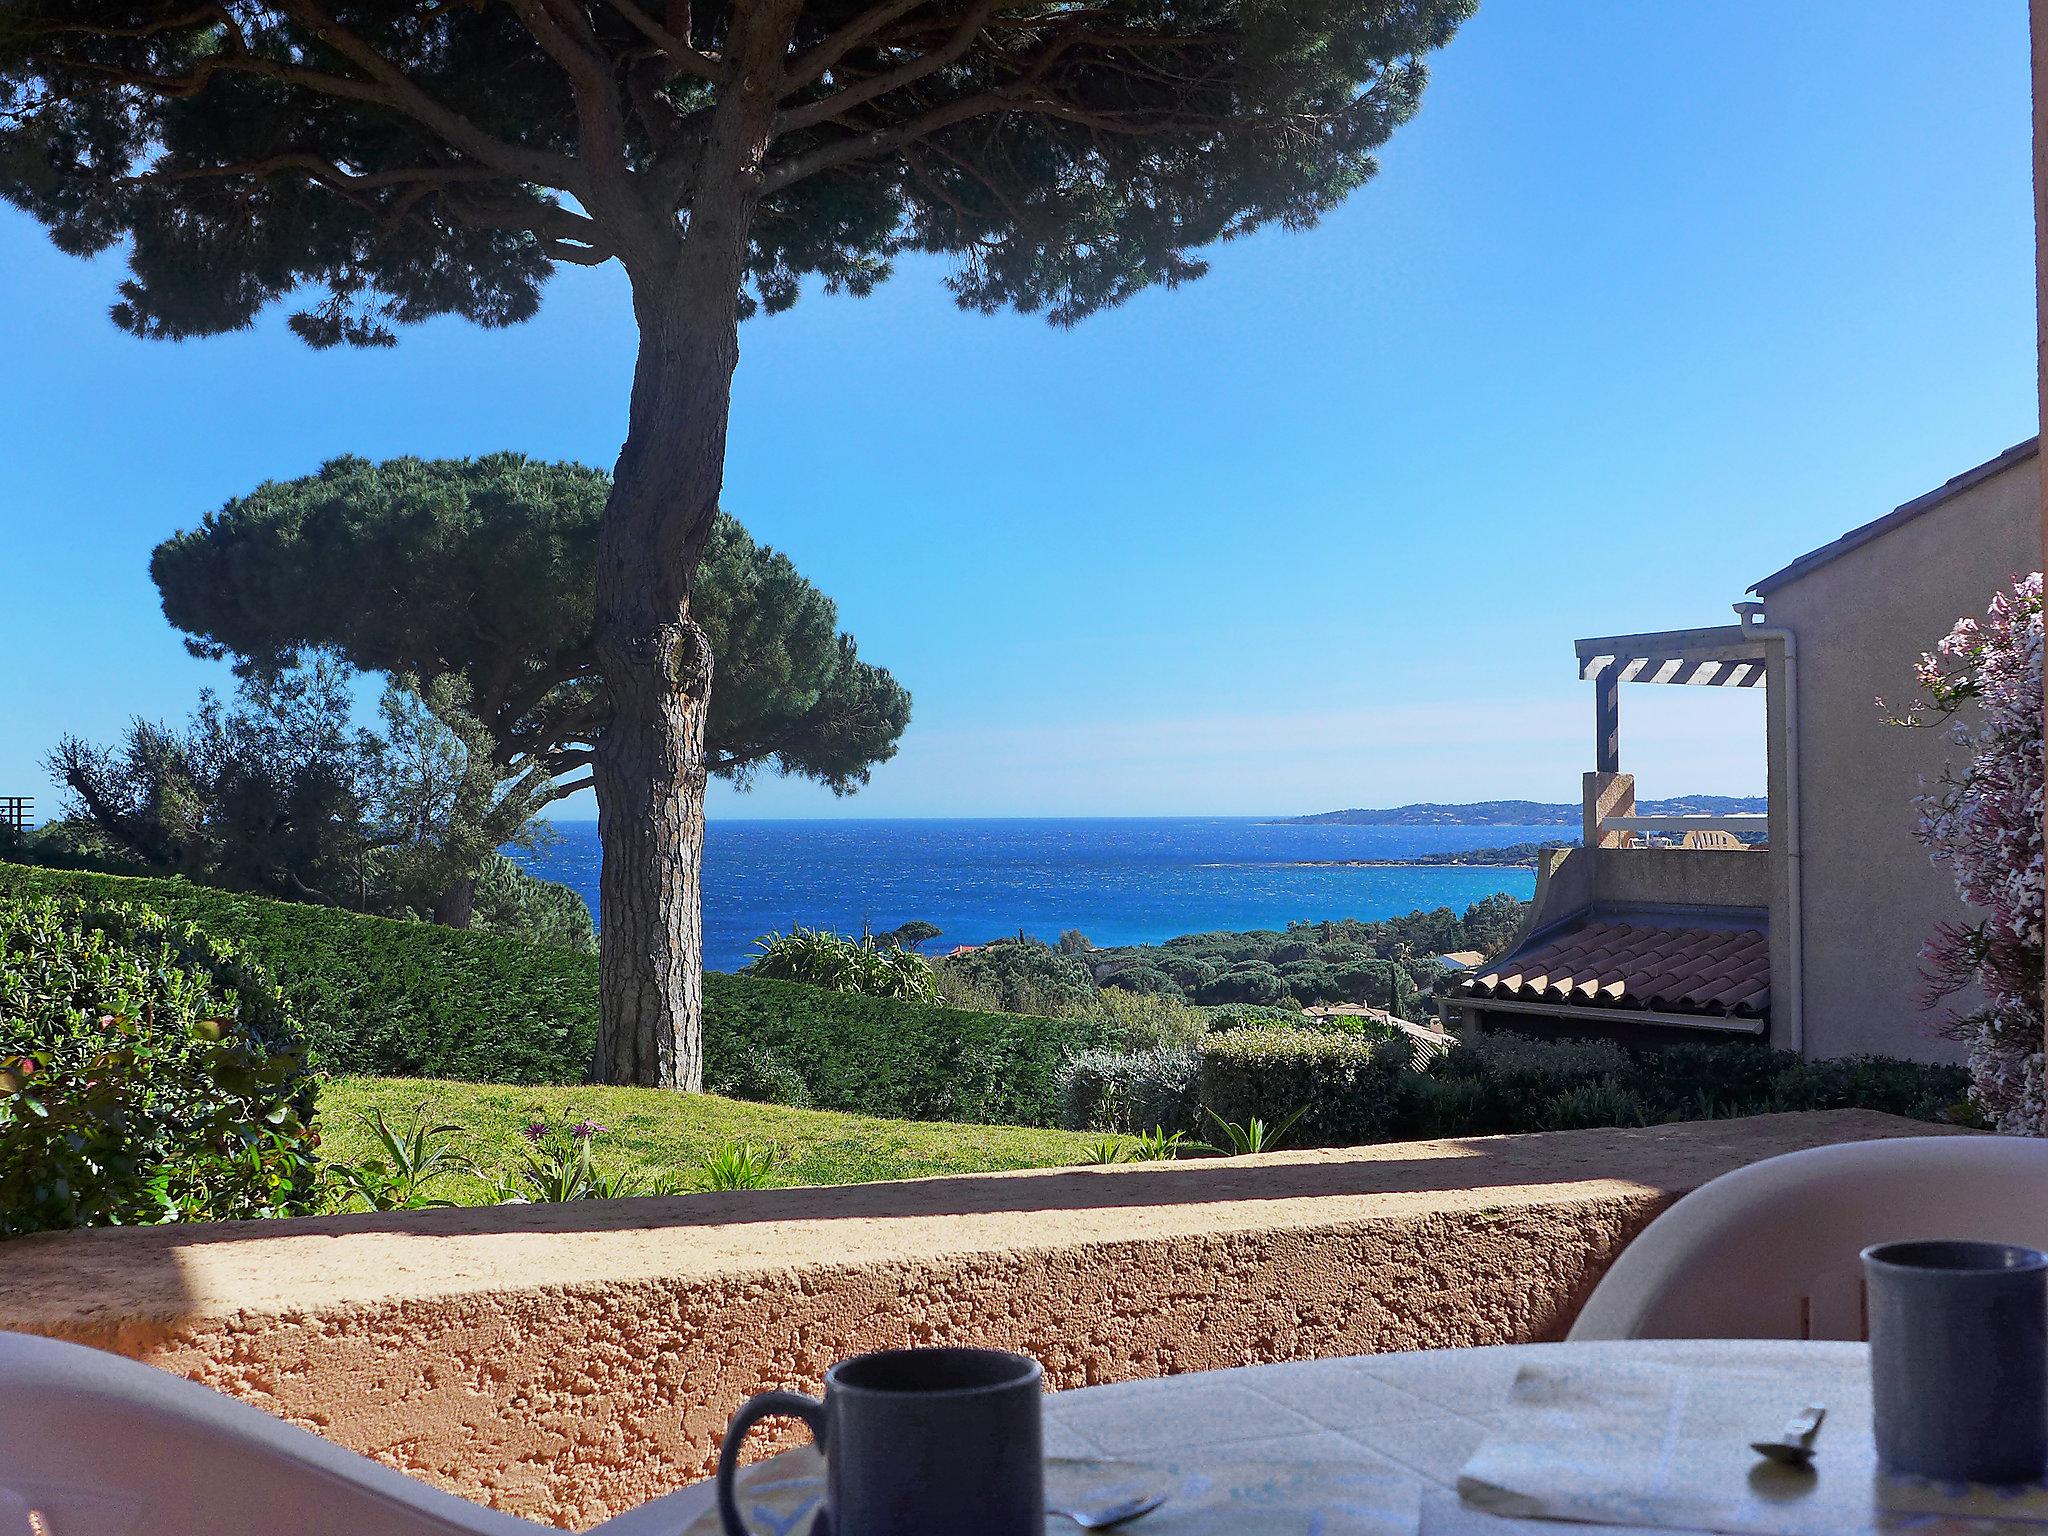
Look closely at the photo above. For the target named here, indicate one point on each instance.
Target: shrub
(912, 1061)
(1984, 823)
(388, 998)
(148, 1073)
(759, 1076)
(1343, 1084)
(391, 999)
(1254, 1016)
(1130, 1092)
(839, 964)
(1146, 1022)
(1020, 975)
(1908, 1088)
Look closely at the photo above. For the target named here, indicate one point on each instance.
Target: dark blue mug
(916, 1442)
(1959, 1359)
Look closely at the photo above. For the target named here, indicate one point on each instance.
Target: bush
(1129, 1092)
(912, 1061)
(1147, 1022)
(148, 1072)
(840, 964)
(1344, 1084)
(1020, 975)
(1254, 1016)
(390, 999)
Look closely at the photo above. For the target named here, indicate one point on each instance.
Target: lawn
(653, 1133)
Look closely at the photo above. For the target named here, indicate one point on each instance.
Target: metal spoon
(1794, 1445)
(1123, 1505)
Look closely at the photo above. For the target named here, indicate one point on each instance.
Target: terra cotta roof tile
(1608, 963)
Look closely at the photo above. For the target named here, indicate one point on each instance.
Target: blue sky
(1648, 300)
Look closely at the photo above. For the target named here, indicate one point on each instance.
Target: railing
(16, 811)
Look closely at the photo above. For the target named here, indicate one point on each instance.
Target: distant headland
(1517, 813)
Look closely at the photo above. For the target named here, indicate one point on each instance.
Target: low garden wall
(566, 1362)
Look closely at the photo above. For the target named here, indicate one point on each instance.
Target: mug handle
(765, 1405)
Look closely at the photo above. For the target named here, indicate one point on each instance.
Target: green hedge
(882, 1056)
(1354, 1090)
(394, 999)
(1343, 1084)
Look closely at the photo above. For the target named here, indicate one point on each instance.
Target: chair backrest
(1770, 1251)
(99, 1445)
(1712, 837)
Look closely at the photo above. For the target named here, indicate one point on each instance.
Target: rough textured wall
(568, 1362)
(1862, 620)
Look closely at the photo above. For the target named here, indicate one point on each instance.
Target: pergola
(1722, 656)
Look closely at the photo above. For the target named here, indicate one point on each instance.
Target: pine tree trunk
(650, 768)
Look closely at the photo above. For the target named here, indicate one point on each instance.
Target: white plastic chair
(1770, 1251)
(99, 1445)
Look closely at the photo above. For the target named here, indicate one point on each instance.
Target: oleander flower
(1984, 822)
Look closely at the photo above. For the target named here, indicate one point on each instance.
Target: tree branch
(674, 44)
(398, 91)
(813, 66)
(906, 73)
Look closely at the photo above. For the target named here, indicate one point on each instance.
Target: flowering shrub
(1984, 822)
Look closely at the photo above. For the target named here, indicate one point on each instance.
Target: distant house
(1810, 940)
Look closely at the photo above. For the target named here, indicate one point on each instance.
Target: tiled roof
(1607, 963)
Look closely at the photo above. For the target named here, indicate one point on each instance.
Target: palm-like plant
(821, 958)
(1254, 1135)
(737, 1165)
(414, 1159)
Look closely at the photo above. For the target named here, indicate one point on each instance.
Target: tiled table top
(1413, 1417)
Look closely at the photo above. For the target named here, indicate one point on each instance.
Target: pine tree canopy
(382, 162)
(482, 569)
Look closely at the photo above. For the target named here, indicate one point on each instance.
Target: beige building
(1802, 927)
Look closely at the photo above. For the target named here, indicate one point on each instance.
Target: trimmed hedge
(1356, 1089)
(395, 999)
(1343, 1084)
(883, 1056)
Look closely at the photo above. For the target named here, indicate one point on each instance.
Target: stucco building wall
(1862, 618)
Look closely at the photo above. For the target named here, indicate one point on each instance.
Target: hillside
(1518, 813)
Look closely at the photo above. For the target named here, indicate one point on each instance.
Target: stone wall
(567, 1362)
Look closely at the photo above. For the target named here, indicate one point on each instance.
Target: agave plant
(1159, 1145)
(738, 1165)
(415, 1158)
(1254, 1135)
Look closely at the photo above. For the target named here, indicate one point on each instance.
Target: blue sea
(1118, 881)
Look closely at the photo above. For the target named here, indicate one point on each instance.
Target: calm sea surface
(1118, 881)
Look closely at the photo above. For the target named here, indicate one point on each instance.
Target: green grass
(654, 1133)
